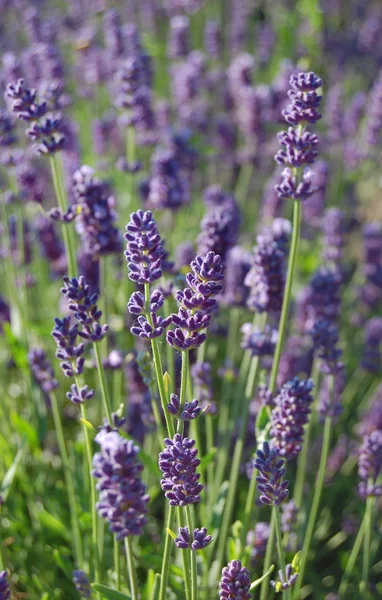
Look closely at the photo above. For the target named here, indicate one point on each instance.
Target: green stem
(131, 569)
(315, 505)
(102, 381)
(186, 556)
(168, 544)
(117, 564)
(194, 570)
(235, 468)
(63, 206)
(367, 542)
(170, 354)
(287, 293)
(183, 389)
(277, 519)
(68, 480)
(268, 559)
(352, 558)
(250, 501)
(93, 499)
(233, 326)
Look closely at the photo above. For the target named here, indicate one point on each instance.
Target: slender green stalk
(235, 468)
(183, 388)
(131, 569)
(352, 558)
(170, 354)
(77, 546)
(168, 544)
(277, 520)
(117, 564)
(102, 381)
(233, 326)
(63, 205)
(249, 504)
(194, 570)
(315, 505)
(93, 498)
(287, 293)
(268, 559)
(367, 541)
(186, 555)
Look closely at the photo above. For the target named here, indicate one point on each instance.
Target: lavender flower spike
(271, 483)
(123, 499)
(370, 464)
(81, 582)
(286, 580)
(84, 306)
(200, 539)
(144, 250)
(178, 463)
(235, 582)
(5, 592)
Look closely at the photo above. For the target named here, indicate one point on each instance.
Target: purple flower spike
(25, 104)
(235, 582)
(123, 499)
(290, 415)
(144, 250)
(191, 410)
(81, 582)
(259, 343)
(370, 465)
(200, 539)
(286, 580)
(5, 592)
(84, 306)
(71, 355)
(80, 395)
(178, 463)
(42, 370)
(271, 483)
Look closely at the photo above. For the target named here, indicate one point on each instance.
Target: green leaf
(64, 563)
(207, 459)
(11, 473)
(171, 533)
(258, 581)
(156, 586)
(109, 593)
(18, 351)
(262, 423)
(25, 429)
(217, 512)
(54, 525)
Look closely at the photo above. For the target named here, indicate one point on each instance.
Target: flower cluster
(196, 302)
(199, 541)
(235, 582)
(370, 464)
(70, 354)
(258, 342)
(123, 499)
(238, 263)
(167, 186)
(137, 307)
(257, 540)
(372, 352)
(5, 592)
(84, 306)
(81, 583)
(290, 415)
(325, 339)
(42, 370)
(286, 581)
(46, 130)
(178, 463)
(272, 486)
(144, 249)
(190, 410)
(220, 225)
(299, 146)
(95, 222)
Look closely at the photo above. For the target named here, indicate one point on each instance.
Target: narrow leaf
(11, 473)
(109, 593)
(258, 581)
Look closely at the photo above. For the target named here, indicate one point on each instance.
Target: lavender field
(190, 299)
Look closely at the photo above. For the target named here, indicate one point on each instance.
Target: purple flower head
(138, 376)
(325, 339)
(324, 295)
(79, 395)
(123, 499)
(299, 148)
(266, 278)
(70, 354)
(305, 101)
(178, 43)
(5, 592)
(370, 464)
(25, 104)
(271, 483)
(200, 539)
(47, 132)
(84, 306)
(334, 227)
(167, 187)
(291, 187)
(238, 263)
(42, 370)
(289, 514)
(212, 39)
(95, 222)
(286, 580)
(219, 226)
(191, 410)
(258, 342)
(202, 378)
(7, 129)
(178, 463)
(257, 540)
(290, 415)
(144, 249)
(372, 350)
(330, 404)
(297, 357)
(235, 582)
(81, 582)
(374, 114)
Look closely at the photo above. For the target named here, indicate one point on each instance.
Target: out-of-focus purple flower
(313, 207)
(82, 584)
(89, 267)
(372, 418)
(272, 486)
(212, 39)
(139, 416)
(144, 250)
(113, 32)
(200, 539)
(42, 370)
(123, 499)
(51, 245)
(271, 202)
(374, 114)
(370, 293)
(372, 350)
(84, 306)
(289, 514)
(220, 225)
(266, 278)
(286, 580)
(238, 263)
(334, 228)
(257, 539)
(5, 592)
(258, 342)
(142, 327)
(178, 463)
(297, 357)
(96, 220)
(290, 415)
(79, 395)
(25, 104)
(7, 129)
(334, 112)
(5, 313)
(235, 582)
(184, 253)
(323, 297)
(167, 186)
(331, 390)
(325, 338)
(178, 43)
(202, 378)
(70, 354)
(370, 465)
